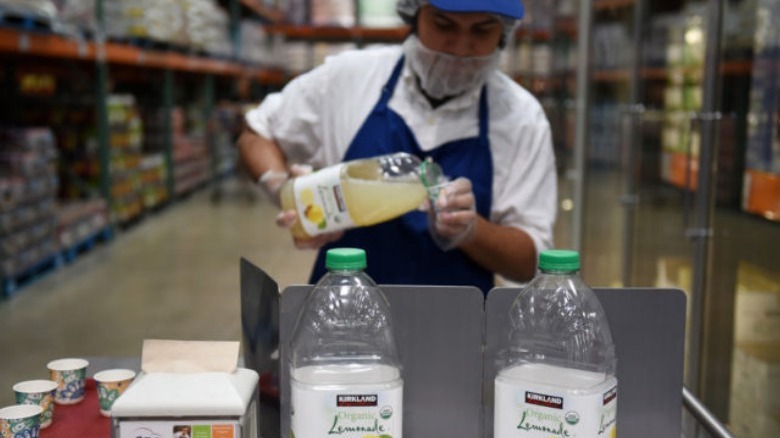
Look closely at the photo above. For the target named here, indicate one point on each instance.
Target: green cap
(345, 258)
(559, 260)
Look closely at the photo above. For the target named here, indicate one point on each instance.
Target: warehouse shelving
(270, 14)
(334, 33)
(117, 173)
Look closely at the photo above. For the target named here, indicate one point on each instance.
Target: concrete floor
(175, 275)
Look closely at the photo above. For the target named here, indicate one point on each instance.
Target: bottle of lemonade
(355, 194)
(556, 370)
(345, 374)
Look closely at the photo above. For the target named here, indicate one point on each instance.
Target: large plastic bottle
(355, 194)
(556, 370)
(344, 369)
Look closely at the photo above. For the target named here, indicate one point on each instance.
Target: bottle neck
(559, 271)
(345, 271)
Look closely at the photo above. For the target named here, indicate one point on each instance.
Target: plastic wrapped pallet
(207, 27)
(154, 175)
(379, 13)
(332, 13)
(78, 13)
(125, 139)
(79, 221)
(297, 11)
(191, 158)
(28, 189)
(146, 19)
(34, 8)
(254, 43)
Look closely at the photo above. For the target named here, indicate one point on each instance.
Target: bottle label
(319, 198)
(523, 410)
(346, 413)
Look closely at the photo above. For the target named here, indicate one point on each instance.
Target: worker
(441, 95)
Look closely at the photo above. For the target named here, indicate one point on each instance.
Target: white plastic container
(556, 370)
(344, 370)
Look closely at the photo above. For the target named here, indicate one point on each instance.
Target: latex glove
(286, 219)
(272, 181)
(452, 213)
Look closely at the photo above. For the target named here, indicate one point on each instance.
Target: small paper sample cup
(70, 375)
(20, 421)
(38, 392)
(110, 385)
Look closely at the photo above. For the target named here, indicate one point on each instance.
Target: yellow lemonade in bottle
(352, 194)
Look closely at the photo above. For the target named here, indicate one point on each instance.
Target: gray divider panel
(260, 339)
(439, 331)
(648, 327)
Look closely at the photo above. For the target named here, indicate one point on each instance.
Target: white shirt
(316, 116)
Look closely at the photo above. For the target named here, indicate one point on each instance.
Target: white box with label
(188, 405)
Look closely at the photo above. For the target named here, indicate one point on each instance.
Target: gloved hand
(286, 219)
(272, 181)
(452, 214)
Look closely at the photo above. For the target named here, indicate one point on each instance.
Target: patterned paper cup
(111, 384)
(20, 421)
(38, 392)
(70, 375)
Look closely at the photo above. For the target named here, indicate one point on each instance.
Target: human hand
(286, 219)
(272, 180)
(453, 213)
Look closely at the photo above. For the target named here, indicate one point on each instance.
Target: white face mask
(442, 75)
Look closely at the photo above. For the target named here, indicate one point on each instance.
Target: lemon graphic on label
(307, 197)
(314, 213)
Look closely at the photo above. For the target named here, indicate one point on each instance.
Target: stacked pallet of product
(191, 158)
(80, 224)
(78, 14)
(153, 167)
(369, 13)
(227, 124)
(254, 43)
(332, 13)
(125, 140)
(33, 9)
(762, 162)
(201, 25)
(154, 180)
(683, 99)
(28, 190)
(161, 22)
(79, 157)
(378, 13)
(207, 27)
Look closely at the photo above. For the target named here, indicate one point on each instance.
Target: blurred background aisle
(118, 124)
(108, 301)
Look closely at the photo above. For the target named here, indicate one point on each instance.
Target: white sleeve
(292, 117)
(536, 203)
(527, 198)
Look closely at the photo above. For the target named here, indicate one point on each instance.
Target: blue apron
(401, 251)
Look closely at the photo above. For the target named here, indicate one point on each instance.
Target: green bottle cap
(345, 258)
(559, 260)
